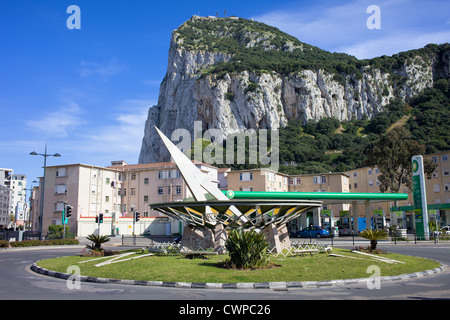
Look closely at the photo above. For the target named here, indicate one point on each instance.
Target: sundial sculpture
(213, 211)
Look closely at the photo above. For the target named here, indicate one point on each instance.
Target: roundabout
(309, 271)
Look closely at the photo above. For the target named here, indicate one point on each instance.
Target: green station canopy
(327, 197)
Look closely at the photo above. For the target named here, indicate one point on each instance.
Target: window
(299, 180)
(145, 180)
(446, 172)
(324, 179)
(355, 185)
(60, 188)
(434, 159)
(133, 191)
(370, 171)
(444, 157)
(246, 176)
(145, 198)
(178, 189)
(291, 181)
(168, 190)
(447, 187)
(316, 179)
(59, 206)
(370, 182)
(436, 188)
(355, 174)
(106, 198)
(177, 174)
(107, 180)
(133, 176)
(160, 190)
(160, 174)
(61, 172)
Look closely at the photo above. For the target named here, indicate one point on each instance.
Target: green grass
(318, 267)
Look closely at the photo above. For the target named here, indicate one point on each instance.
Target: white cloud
(405, 25)
(324, 25)
(394, 44)
(119, 137)
(104, 70)
(58, 123)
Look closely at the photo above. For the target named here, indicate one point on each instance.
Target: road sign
(420, 199)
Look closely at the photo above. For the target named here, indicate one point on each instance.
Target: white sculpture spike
(194, 178)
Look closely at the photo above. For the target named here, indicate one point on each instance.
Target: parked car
(314, 232)
(446, 229)
(345, 230)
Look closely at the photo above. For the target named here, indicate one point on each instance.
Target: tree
(247, 249)
(392, 153)
(97, 241)
(374, 235)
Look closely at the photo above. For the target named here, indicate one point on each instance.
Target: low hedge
(32, 243)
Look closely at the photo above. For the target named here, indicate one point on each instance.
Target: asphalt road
(18, 282)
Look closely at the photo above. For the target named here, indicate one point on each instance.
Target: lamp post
(41, 190)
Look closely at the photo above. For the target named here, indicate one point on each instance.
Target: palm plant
(97, 241)
(374, 235)
(247, 249)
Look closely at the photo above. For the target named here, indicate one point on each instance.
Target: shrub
(4, 244)
(246, 249)
(33, 243)
(374, 235)
(97, 241)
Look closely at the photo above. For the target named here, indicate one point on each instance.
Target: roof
(326, 197)
(154, 165)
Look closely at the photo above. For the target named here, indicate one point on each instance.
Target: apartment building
(144, 184)
(268, 180)
(256, 180)
(19, 206)
(6, 195)
(117, 192)
(437, 190)
(90, 190)
(5, 199)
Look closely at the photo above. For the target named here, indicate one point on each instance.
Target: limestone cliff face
(230, 101)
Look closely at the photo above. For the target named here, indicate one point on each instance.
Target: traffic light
(137, 216)
(68, 211)
(100, 218)
(96, 219)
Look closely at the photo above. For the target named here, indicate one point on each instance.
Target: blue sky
(86, 92)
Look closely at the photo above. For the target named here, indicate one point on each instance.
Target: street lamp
(41, 204)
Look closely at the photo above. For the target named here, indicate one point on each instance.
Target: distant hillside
(319, 146)
(235, 74)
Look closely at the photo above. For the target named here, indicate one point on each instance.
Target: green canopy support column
(355, 217)
(316, 217)
(368, 215)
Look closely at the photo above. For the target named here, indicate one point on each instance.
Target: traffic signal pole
(64, 222)
(67, 212)
(136, 218)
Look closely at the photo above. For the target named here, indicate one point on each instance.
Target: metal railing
(142, 240)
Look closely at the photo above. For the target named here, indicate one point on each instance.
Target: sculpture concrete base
(204, 238)
(278, 237)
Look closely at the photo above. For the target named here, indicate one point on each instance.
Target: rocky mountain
(233, 73)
